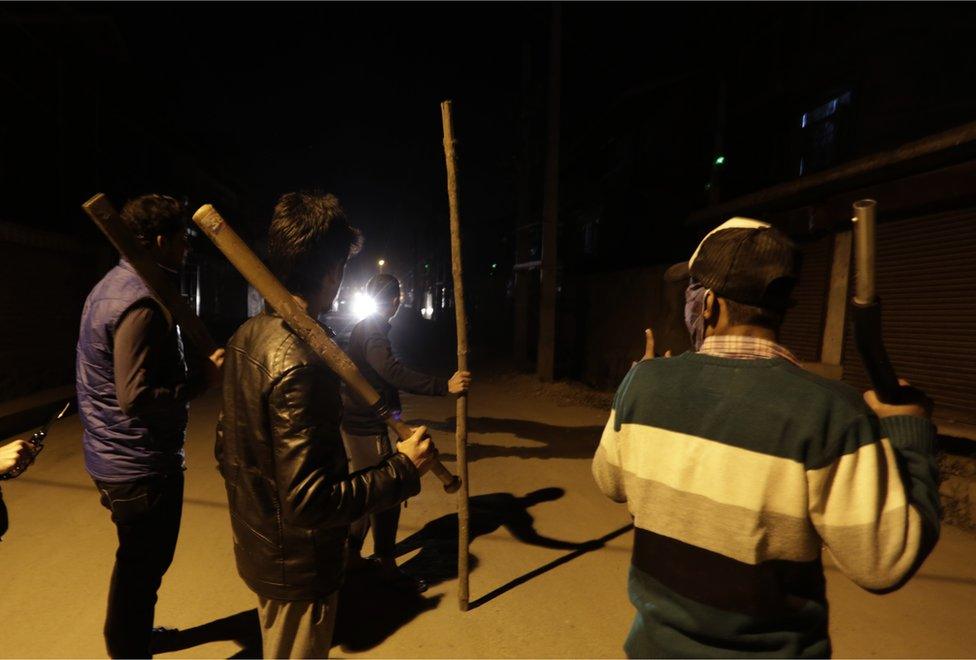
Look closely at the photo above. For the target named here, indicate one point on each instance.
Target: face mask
(695, 313)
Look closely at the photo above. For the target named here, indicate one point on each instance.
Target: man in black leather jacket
(279, 448)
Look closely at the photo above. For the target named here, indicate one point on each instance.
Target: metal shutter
(802, 330)
(926, 277)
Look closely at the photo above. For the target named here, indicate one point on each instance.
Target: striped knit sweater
(736, 473)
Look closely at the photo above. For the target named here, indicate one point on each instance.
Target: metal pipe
(864, 233)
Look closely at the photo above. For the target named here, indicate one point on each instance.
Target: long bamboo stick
(461, 430)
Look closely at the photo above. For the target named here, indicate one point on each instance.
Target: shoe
(397, 579)
(359, 564)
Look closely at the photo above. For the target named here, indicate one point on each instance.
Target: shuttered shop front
(802, 330)
(926, 277)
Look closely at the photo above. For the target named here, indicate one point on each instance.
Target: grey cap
(744, 260)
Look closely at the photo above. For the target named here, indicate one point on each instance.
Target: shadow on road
(243, 628)
(558, 441)
(438, 540)
(583, 548)
(369, 612)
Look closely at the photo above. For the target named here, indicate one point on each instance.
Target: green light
(494, 266)
(719, 160)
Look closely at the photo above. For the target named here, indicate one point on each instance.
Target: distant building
(860, 122)
(65, 135)
(800, 92)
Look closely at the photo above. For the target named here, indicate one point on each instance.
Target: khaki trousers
(366, 451)
(297, 629)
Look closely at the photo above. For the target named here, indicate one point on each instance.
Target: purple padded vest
(119, 447)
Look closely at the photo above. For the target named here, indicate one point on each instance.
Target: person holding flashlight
(365, 435)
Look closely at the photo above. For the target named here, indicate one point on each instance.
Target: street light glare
(362, 306)
(381, 263)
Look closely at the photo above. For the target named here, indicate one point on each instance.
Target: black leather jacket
(281, 455)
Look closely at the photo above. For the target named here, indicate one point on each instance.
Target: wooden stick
(461, 430)
(103, 214)
(255, 272)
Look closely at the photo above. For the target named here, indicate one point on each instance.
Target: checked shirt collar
(745, 348)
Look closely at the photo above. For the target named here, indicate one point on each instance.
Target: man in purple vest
(133, 393)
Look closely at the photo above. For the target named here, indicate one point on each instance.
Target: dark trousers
(3, 517)
(366, 451)
(147, 516)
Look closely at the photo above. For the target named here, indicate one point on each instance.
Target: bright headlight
(362, 305)
(427, 311)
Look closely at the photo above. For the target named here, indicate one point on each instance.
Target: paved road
(534, 594)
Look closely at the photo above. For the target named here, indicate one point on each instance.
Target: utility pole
(520, 343)
(545, 365)
(714, 186)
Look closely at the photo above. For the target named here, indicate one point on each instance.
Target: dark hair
(309, 236)
(742, 314)
(383, 287)
(149, 216)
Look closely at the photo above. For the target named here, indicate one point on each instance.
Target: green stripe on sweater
(766, 405)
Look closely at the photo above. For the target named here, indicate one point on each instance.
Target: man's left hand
(214, 368)
(649, 346)
(459, 382)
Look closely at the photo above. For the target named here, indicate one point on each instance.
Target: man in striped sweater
(738, 465)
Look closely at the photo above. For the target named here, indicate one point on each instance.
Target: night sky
(342, 98)
(268, 98)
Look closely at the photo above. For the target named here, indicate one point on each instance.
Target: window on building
(590, 232)
(823, 133)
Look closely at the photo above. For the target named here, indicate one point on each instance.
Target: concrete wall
(44, 279)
